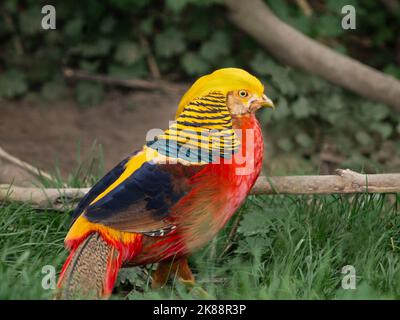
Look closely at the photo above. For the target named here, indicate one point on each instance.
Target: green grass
(284, 248)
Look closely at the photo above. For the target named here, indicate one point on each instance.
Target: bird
(168, 199)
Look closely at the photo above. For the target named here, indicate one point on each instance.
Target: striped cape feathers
(202, 133)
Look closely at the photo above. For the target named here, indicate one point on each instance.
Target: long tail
(90, 270)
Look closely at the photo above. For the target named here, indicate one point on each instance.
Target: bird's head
(244, 93)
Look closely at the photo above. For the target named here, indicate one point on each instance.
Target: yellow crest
(222, 80)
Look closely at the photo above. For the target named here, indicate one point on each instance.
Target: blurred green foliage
(188, 38)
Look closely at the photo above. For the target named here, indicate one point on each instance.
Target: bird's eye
(243, 93)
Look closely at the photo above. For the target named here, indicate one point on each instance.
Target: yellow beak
(267, 102)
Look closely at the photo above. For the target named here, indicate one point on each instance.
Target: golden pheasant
(168, 199)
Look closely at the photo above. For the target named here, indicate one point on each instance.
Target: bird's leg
(180, 269)
(176, 267)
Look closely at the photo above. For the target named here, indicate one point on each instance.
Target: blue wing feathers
(148, 186)
(100, 186)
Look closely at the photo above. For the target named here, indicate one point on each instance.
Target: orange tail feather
(90, 270)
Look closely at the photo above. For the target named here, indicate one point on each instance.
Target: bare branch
(136, 84)
(344, 182)
(305, 7)
(50, 198)
(151, 60)
(296, 49)
(132, 83)
(14, 170)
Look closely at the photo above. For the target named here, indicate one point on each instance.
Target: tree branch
(136, 84)
(151, 61)
(14, 170)
(294, 48)
(305, 7)
(50, 198)
(132, 83)
(344, 182)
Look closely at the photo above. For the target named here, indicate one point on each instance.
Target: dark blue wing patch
(100, 186)
(139, 203)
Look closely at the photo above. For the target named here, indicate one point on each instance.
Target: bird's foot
(178, 269)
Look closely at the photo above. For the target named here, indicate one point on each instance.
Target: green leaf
(89, 93)
(285, 144)
(228, 62)
(176, 5)
(169, 43)
(107, 25)
(129, 5)
(146, 25)
(206, 3)
(88, 65)
(304, 140)
(364, 138)
(330, 26)
(263, 65)
(199, 29)
(379, 111)
(317, 84)
(384, 129)
(127, 53)
(384, 35)
(334, 102)
(333, 110)
(301, 108)
(286, 85)
(301, 23)
(260, 64)
(254, 222)
(97, 49)
(393, 70)
(337, 5)
(73, 28)
(282, 109)
(373, 111)
(137, 70)
(30, 21)
(12, 83)
(217, 47)
(194, 64)
(259, 244)
(10, 5)
(132, 276)
(280, 8)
